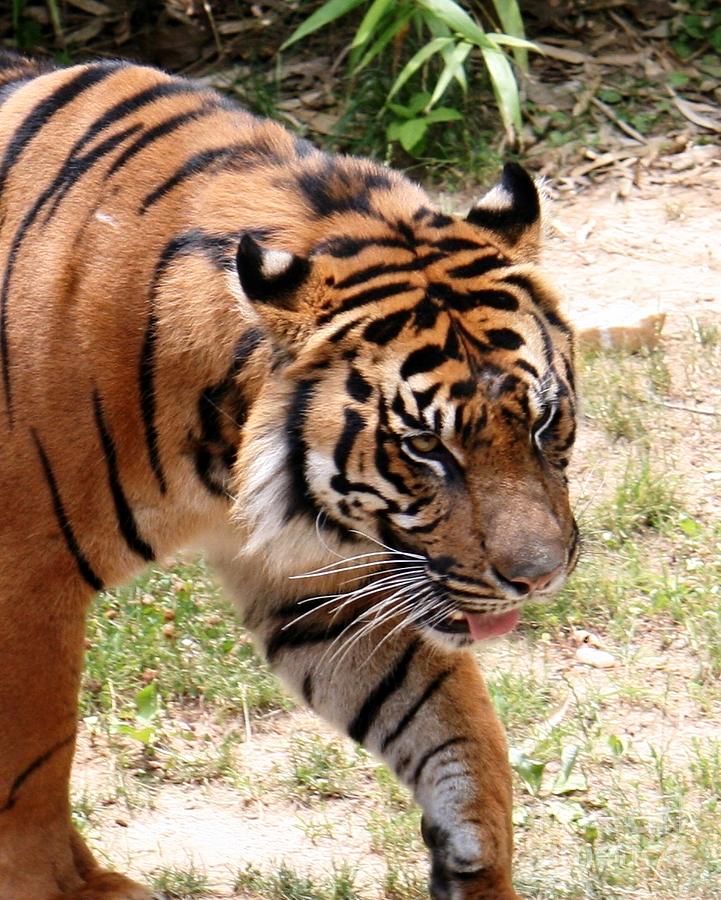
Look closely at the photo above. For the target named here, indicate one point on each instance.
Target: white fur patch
(275, 262)
(497, 199)
(106, 218)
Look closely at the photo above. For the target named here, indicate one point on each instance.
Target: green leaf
(144, 735)
(530, 771)
(505, 90)
(147, 703)
(417, 60)
(411, 133)
(370, 22)
(419, 101)
(458, 20)
(512, 23)
(329, 12)
(608, 95)
(443, 114)
(615, 745)
(453, 64)
(401, 111)
(509, 41)
(567, 781)
(689, 526)
(384, 38)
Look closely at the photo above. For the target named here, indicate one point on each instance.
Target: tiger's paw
(109, 886)
(460, 869)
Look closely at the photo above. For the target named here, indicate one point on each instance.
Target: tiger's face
(431, 410)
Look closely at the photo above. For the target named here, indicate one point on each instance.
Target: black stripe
(61, 515)
(353, 424)
(124, 514)
(161, 130)
(367, 274)
(431, 526)
(428, 756)
(399, 408)
(33, 767)
(196, 165)
(132, 104)
(383, 331)
(74, 169)
(425, 398)
(148, 405)
(368, 296)
(424, 359)
(456, 245)
(219, 402)
(308, 688)
(464, 301)
(528, 367)
(478, 267)
(45, 109)
(382, 459)
(388, 685)
(301, 500)
(357, 386)
(344, 248)
(215, 248)
(505, 338)
(432, 688)
(300, 635)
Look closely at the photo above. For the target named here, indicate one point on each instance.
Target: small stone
(591, 656)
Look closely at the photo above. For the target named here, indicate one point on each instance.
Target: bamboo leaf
(328, 13)
(458, 20)
(505, 90)
(453, 64)
(370, 22)
(386, 36)
(417, 60)
(512, 23)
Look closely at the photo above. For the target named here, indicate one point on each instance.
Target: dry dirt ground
(654, 244)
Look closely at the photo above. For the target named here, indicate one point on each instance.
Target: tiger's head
(422, 410)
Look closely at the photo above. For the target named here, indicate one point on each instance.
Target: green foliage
(445, 35)
(696, 27)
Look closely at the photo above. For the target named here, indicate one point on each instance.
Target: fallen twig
(688, 112)
(691, 409)
(619, 123)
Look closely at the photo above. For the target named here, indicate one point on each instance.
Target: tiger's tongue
(487, 625)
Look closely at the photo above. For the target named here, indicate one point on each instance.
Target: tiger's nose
(525, 583)
(526, 576)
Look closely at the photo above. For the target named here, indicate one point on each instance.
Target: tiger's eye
(423, 443)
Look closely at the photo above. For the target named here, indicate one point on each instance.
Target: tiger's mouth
(476, 626)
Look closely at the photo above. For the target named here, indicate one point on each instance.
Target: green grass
(319, 769)
(287, 884)
(181, 884)
(185, 640)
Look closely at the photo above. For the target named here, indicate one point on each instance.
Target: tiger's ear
(511, 209)
(269, 276)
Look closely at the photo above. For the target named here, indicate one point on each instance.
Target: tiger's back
(212, 333)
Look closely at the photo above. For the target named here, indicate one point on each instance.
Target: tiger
(360, 409)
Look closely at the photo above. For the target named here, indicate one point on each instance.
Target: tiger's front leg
(426, 712)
